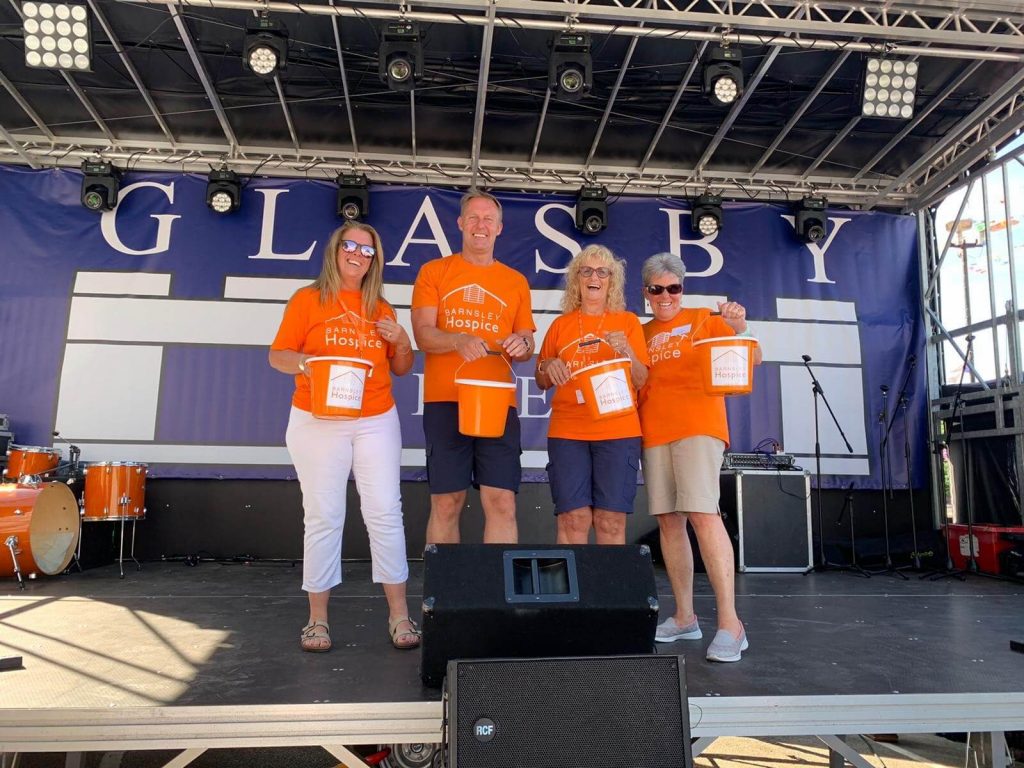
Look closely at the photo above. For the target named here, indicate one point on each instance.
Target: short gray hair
(478, 194)
(659, 264)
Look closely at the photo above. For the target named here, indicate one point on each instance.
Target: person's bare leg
(574, 526)
(719, 562)
(443, 524)
(499, 515)
(678, 557)
(609, 527)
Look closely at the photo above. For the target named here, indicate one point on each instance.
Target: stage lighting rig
(812, 219)
(723, 75)
(56, 36)
(400, 57)
(100, 183)
(265, 52)
(591, 209)
(706, 215)
(890, 88)
(223, 191)
(353, 197)
(570, 68)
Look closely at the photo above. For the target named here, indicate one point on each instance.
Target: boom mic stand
(901, 408)
(958, 405)
(883, 457)
(848, 504)
(823, 564)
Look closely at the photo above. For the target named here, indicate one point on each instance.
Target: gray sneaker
(668, 631)
(725, 647)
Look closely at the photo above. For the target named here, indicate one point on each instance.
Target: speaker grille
(611, 711)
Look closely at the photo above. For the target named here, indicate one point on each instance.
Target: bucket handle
(587, 343)
(489, 352)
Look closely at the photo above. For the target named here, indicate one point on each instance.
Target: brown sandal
(409, 638)
(316, 637)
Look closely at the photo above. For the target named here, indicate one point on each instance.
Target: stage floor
(215, 647)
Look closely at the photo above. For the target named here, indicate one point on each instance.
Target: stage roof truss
(484, 115)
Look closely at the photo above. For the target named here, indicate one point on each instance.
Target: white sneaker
(668, 631)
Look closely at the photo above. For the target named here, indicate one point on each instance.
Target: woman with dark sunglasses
(685, 434)
(344, 314)
(593, 463)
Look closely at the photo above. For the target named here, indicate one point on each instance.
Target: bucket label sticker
(579, 397)
(346, 386)
(611, 391)
(729, 366)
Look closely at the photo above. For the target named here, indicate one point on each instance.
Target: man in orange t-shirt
(465, 306)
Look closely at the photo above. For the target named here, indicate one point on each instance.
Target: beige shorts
(683, 476)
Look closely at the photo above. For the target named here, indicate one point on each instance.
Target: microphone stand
(823, 564)
(901, 408)
(883, 456)
(853, 566)
(958, 405)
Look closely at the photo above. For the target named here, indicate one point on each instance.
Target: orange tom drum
(115, 490)
(40, 523)
(30, 460)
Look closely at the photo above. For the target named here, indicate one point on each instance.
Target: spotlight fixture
(706, 216)
(56, 36)
(591, 209)
(890, 88)
(353, 197)
(570, 66)
(265, 51)
(400, 58)
(811, 219)
(223, 191)
(723, 75)
(100, 182)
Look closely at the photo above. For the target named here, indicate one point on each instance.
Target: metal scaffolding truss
(969, 34)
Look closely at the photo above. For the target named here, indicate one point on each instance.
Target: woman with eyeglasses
(344, 314)
(685, 434)
(593, 463)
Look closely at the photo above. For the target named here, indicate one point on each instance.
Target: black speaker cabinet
(616, 712)
(769, 516)
(499, 600)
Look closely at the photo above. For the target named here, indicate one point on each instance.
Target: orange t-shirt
(570, 417)
(338, 330)
(489, 301)
(672, 403)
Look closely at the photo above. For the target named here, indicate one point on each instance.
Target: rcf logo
(484, 729)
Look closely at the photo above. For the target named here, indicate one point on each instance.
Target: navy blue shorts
(593, 473)
(456, 461)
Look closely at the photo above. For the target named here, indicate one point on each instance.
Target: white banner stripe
(814, 309)
(124, 283)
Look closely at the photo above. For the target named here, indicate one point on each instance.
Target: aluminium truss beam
(26, 107)
(823, 31)
(481, 93)
(30, 161)
(344, 82)
(697, 57)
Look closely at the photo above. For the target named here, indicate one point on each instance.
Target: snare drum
(41, 522)
(115, 490)
(30, 460)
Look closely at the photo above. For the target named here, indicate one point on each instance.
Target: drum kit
(44, 502)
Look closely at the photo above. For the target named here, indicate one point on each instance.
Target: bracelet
(540, 365)
(302, 364)
(746, 331)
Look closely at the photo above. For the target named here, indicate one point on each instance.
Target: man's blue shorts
(593, 473)
(456, 461)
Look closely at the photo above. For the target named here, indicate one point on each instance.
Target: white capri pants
(323, 452)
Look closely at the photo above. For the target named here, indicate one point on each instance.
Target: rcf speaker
(499, 600)
(618, 711)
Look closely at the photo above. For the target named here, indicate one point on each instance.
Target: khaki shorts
(683, 476)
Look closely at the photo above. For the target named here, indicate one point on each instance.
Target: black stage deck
(209, 656)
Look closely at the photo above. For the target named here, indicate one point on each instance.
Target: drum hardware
(38, 528)
(115, 491)
(11, 542)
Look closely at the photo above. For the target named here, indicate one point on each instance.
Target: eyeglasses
(602, 272)
(351, 246)
(657, 290)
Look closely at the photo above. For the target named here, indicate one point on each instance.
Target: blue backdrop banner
(141, 334)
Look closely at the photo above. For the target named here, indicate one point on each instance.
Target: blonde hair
(329, 282)
(477, 194)
(572, 299)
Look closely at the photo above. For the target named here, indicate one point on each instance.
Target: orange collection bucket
(484, 403)
(727, 364)
(336, 386)
(606, 387)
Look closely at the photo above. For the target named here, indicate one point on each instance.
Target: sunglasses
(351, 246)
(657, 290)
(602, 272)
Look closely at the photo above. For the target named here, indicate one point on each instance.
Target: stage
(179, 657)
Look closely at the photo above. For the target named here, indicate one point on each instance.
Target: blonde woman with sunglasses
(685, 434)
(344, 314)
